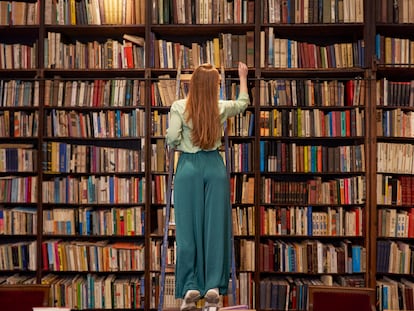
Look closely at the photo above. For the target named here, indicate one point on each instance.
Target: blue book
(356, 258)
(111, 189)
(251, 125)
(88, 222)
(309, 219)
(378, 46)
(57, 187)
(62, 157)
(118, 132)
(50, 255)
(262, 155)
(385, 297)
(289, 52)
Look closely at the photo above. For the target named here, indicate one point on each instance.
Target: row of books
(241, 125)
(313, 11)
(395, 190)
(290, 293)
(395, 223)
(395, 294)
(19, 93)
(278, 156)
(94, 12)
(240, 157)
(312, 93)
(18, 220)
(111, 54)
(128, 221)
(166, 90)
(225, 50)
(243, 220)
(59, 255)
(96, 291)
(156, 255)
(394, 51)
(395, 123)
(18, 189)
(312, 123)
(159, 122)
(244, 255)
(313, 256)
(18, 256)
(203, 12)
(394, 257)
(19, 12)
(279, 52)
(19, 123)
(94, 190)
(306, 221)
(60, 157)
(241, 189)
(95, 124)
(96, 93)
(314, 191)
(18, 56)
(18, 158)
(398, 11)
(388, 152)
(395, 93)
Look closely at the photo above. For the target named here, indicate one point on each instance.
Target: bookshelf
(394, 138)
(85, 93)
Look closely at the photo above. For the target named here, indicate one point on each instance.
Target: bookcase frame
(370, 73)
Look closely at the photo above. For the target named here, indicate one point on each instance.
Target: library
(321, 162)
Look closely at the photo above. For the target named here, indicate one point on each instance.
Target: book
(135, 39)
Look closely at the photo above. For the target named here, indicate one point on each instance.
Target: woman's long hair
(202, 106)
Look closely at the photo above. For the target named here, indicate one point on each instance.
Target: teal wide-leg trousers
(203, 223)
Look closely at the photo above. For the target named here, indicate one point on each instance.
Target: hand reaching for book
(243, 71)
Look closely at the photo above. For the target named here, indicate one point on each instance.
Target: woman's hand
(243, 71)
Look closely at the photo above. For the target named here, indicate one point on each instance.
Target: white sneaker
(212, 297)
(190, 299)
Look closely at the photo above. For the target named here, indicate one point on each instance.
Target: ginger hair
(202, 107)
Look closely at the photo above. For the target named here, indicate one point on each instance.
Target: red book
(29, 190)
(129, 57)
(411, 223)
(348, 123)
(44, 257)
(262, 220)
(95, 93)
(349, 94)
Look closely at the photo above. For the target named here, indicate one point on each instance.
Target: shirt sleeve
(230, 108)
(174, 131)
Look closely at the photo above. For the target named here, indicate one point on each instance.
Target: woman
(201, 187)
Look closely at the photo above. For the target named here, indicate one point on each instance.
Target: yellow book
(216, 56)
(73, 12)
(305, 159)
(388, 56)
(130, 230)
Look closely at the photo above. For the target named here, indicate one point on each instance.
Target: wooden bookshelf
(88, 107)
